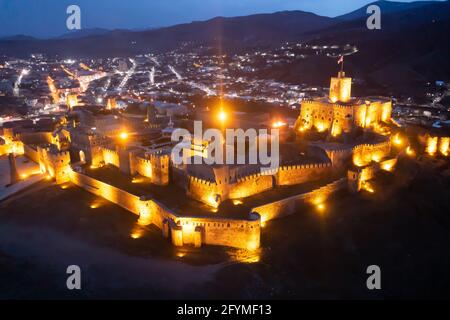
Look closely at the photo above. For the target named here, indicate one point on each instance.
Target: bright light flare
(368, 187)
(222, 116)
(410, 152)
(237, 202)
(123, 135)
(278, 124)
(397, 140)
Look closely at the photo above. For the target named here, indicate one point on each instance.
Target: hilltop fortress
(223, 205)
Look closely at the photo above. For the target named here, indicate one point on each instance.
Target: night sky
(47, 18)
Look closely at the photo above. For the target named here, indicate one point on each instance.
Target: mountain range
(411, 48)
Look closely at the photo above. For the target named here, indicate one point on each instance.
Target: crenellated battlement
(201, 181)
(306, 166)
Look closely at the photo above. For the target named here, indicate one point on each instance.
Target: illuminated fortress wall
(366, 153)
(110, 157)
(156, 167)
(16, 147)
(160, 166)
(213, 193)
(436, 144)
(340, 113)
(243, 234)
(203, 191)
(35, 137)
(325, 116)
(54, 163)
(142, 166)
(118, 196)
(291, 175)
(340, 88)
(289, 205)
(185, 230)
(31, 153)
(371, 113)
(251, 185)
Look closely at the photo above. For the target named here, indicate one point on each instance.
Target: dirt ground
(404, 227)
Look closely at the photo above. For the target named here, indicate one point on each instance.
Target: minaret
(14, 175)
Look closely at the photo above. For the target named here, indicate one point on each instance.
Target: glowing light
(95, 205)
(357, 161)
(222, 116)
(244, 256)
(321, 207)
(410, 152)
(137, 180)
(135, 235)
(252, 245)
(237, 202)
(387, 166)
(443, 146)
(24, 176)
(123, 135)
(320, 127)
(48, 177)
(212, 201)
(376, 158)
(368, 187)
(397, 140)
(189, 228)
(180, 254)
(278, 124)
(432, 145)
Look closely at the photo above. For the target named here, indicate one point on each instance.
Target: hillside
(411, 48)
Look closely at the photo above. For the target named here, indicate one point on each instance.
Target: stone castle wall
(110, 156)
(214, 231)
(291, 175)
(251, 185)
(43, 137)
(366, 153)
(31, 153)
(289, 205)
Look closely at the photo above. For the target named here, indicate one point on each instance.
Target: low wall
(214, 231)
(111, 157)
(288, 206)
(31, 153)
(243, 234)
(143, 167)
(251, 185)
(291, 175)
(203, 191)
(118, 196)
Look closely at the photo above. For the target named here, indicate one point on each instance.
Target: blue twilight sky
(46, 18)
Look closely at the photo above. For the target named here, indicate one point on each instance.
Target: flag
(341, 60)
